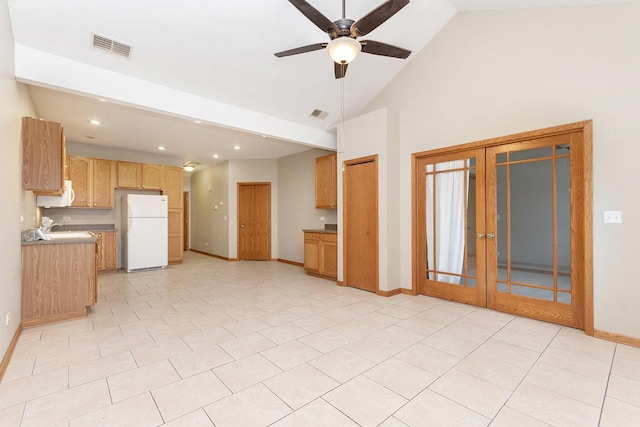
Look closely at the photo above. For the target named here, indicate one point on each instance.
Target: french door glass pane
(533, 228)
(450, 207)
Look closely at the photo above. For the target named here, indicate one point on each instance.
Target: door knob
(491, 235)
(480, 236)
(241, 225)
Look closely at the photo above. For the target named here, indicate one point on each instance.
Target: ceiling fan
(343, 33)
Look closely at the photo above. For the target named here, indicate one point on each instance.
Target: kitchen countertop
(83, 227)
(93, 239)
(328, 229)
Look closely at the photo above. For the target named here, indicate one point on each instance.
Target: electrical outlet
(66, 218)
(7, 320)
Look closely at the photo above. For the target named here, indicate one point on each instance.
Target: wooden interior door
(452, 260)
(361, 224)
(532, 199)
(254, 221)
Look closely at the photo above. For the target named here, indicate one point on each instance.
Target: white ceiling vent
(105, 43)
(319, 114)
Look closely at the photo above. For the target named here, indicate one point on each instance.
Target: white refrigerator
(145, 232)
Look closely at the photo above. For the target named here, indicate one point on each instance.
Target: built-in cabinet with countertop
(92, 181)
(59, 280)
(43, 156)
(326, 182)
(321, 253)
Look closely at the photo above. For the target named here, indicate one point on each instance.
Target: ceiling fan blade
(383, 49)
(377, 16)
(302, 49)
(340, 70)
(316, 17)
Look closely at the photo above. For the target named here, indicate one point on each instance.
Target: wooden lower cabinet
(59, 281)
(107, 250)
(176, 251)
(321, 254)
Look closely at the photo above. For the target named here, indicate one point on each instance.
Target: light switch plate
(612, 217)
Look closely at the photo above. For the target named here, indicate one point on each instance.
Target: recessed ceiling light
(196, 121)
(236, 147)
(264, 136)
(215, 156)
(102, 100)
(161, 148)
(95, 122)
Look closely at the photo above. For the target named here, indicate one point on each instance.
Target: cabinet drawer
(312, 236)
(329, 237)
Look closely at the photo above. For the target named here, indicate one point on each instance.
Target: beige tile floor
(216, 343)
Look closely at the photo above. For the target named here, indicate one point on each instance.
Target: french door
(505, 224)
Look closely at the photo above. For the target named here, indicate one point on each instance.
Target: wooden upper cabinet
(326, 182)
(138, 176)
(43, 156)
(92, 182)
(79, 172)
(173, 186)
(129, 175)
(103, 187)
(152, 177)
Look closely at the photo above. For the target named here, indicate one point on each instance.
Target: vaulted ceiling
(201, 76)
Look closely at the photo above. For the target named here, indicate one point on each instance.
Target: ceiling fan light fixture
(343, 49)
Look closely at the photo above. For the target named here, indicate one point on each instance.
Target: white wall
(493, 73)
(296, 203)
(375, 133)
(15, 103)
(209, 229)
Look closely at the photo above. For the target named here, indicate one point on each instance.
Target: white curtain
(448, 201)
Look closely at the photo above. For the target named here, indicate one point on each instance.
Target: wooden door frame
(345, 164)
(582, 162)
(241, 184)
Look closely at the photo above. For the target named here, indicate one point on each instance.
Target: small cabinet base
(58, 282)
(321, 254)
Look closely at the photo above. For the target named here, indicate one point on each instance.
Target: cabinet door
(102, 187)
(329, 255)
(80, 175)
(110, 250)
(43, 156)
(326, 182)
(129, 175)
(151, 177)
(312, 252)
(173, 186)
(175, 235)
(100, 243)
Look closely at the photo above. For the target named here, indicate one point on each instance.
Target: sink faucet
(47, 223)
